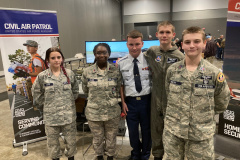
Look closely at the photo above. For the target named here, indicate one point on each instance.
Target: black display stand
(228, 140)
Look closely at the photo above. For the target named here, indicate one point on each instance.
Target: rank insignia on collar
(158, 59)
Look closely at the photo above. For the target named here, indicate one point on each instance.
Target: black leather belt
(138, 98)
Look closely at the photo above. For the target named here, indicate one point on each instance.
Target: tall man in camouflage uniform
(159, 59)
(196, 91)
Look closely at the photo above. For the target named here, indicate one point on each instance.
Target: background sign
(229, 121)
(16, 27)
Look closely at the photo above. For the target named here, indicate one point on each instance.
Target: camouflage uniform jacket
(194, 100)
(103, 91)
(159, 61)
(56, 96)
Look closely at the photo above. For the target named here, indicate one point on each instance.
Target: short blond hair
(194, 29)
(135, 34)
(166, 23)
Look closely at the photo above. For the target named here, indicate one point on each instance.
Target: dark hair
(55, 49)
(104, 45)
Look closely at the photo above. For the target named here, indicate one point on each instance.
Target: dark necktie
(137, 79)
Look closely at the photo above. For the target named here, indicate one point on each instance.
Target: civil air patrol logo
(158, 59)
(220, 77)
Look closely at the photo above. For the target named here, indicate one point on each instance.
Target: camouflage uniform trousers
(157, 124)
(104, 130)
(69, 132)
(177, 148)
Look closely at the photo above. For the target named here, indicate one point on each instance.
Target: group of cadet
(171, 96)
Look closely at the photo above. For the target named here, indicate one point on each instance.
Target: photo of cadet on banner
(25, 35)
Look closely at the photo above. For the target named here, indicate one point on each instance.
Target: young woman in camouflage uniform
(54, 93)
(101, 82)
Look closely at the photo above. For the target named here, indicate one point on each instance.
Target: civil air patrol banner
(229, 121)
(21, 32)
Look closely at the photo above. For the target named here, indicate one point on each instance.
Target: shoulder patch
(158, 59)
(123, 59)
(220, 77)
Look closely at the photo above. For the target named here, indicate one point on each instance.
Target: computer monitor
(118, 48)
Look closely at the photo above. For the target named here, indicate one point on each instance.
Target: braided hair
(55, 49)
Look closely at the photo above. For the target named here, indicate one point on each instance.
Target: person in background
(54, 93)
(196, 91)
(219, 48)
(101, 82)
(223, 47)
(159, 59)
(176, 40)
(14, 86)
(136, 97)
(37, 64)
(179, 46)
(210, 49)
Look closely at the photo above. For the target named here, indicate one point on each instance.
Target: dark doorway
(147, 28)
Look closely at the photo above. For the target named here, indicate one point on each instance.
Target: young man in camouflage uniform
(159, 59)
(196, 91)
